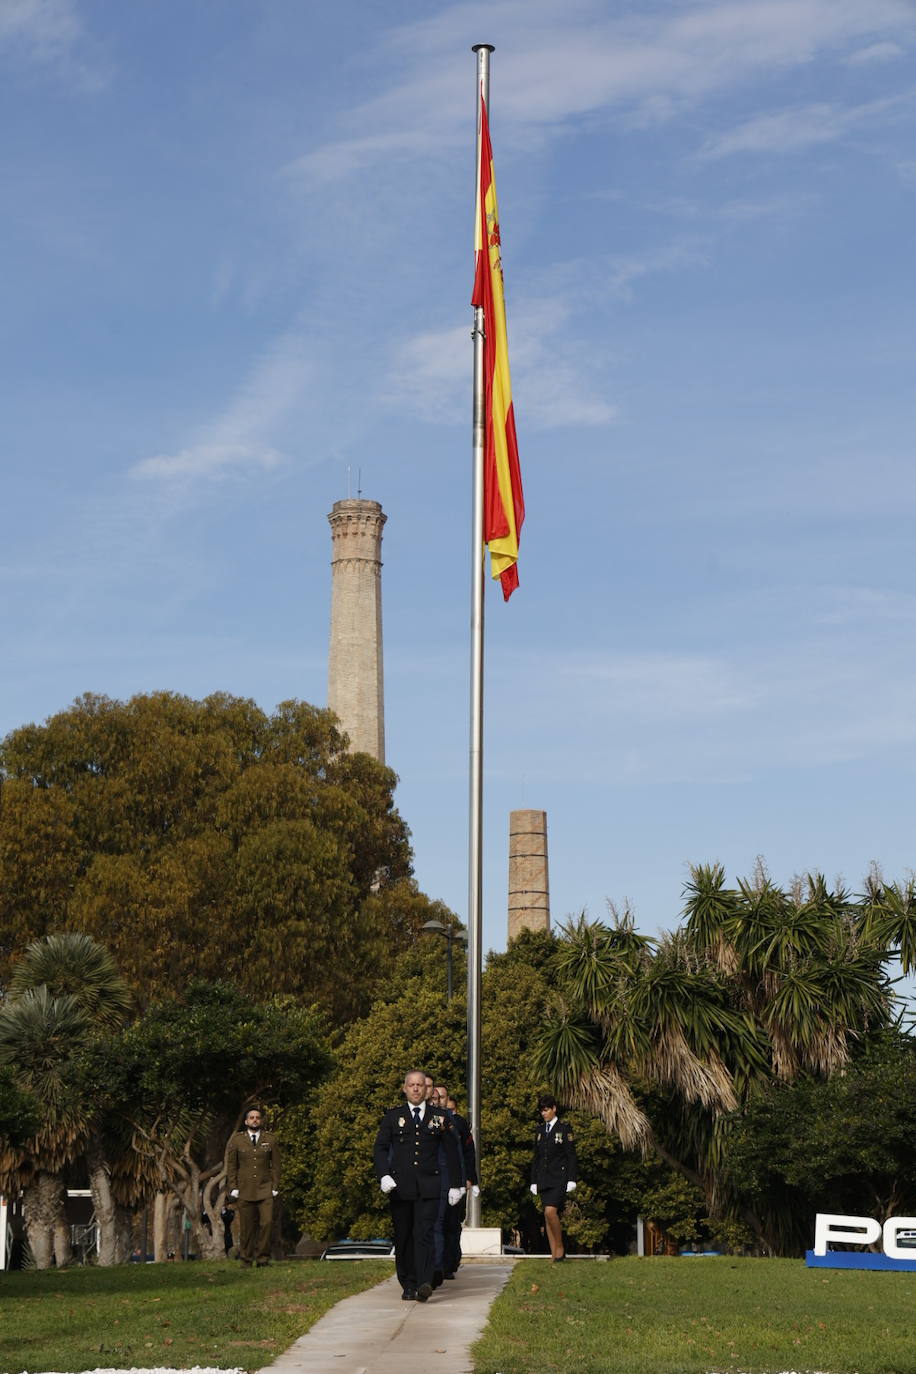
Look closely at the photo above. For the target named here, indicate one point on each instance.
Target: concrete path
(378, 1333)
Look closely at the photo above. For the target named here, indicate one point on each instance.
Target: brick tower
(529, 888)
(355, 678)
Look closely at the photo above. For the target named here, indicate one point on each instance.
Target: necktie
(416, 1115)
(254, 1139)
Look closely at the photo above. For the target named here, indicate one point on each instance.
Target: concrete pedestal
(481, 1240)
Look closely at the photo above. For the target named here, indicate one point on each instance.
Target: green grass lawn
(167, 1314)
(691, 1316)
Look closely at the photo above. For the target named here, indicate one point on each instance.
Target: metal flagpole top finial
(482, 47)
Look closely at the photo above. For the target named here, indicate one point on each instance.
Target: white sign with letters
(830, 1226)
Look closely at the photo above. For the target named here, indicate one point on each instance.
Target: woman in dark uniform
(553, 1170)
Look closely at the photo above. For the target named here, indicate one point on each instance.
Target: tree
(667, 1040)
(329, 1182)
(207, 839)
(839, 1144)
(18, 1118)
(62, 990)
(37, 1032)
(179, 1080)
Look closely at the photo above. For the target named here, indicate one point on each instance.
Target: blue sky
(237, 262)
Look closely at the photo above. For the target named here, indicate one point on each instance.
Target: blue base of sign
(853, 1259)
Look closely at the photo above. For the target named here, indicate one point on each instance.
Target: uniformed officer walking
(553, 1170)
(407, 1164)
(253, 1180)
(447, 1231)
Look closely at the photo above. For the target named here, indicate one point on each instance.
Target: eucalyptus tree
(64, 990)
(206, 839)
(667, 1040)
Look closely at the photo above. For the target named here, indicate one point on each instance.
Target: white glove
(387, 1184)
(274, 1191)
(570, 1187)
(475, 1191)
(234, 1193)
(534, 1189)
(454, 1196)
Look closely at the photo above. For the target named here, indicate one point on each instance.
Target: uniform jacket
(554, 1163)
(253, 1169)
(466, 1145)
(409, 1152)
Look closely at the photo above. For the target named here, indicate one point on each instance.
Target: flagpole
(475, 803)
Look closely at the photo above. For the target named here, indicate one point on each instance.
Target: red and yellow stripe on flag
(503, 502)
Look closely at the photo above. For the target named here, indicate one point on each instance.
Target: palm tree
(73, 964)
(37, 1033)
(665, 1040)
(64, 988)
(889, 917)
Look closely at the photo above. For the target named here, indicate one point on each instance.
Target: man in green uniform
(253, 1181)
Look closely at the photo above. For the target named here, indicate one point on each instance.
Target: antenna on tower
(359, 482)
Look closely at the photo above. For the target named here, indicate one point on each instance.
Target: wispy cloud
(792, 130)
(554, 382)
(673, 686)
(52, 32)
(666, 716)
(775, 207)
(649, 66)
(875, 52)
(241, 438)
(429, 373)
(867, 605)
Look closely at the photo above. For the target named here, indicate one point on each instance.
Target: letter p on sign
(829, 1226)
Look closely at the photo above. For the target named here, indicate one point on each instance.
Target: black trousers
(413, 1223)
(447, 1235)
(454, 1216)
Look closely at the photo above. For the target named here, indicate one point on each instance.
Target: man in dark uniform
(554, 1170)
(447, 1233)
(253, 1179)
(407, 1165)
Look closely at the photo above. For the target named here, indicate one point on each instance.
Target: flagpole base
(481, 1240)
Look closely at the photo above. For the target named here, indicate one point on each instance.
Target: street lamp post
(450, 934)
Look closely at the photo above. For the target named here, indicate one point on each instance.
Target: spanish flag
(503, 502)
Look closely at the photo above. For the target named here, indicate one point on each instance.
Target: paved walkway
(377, 1333)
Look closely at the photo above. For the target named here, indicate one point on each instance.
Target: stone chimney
(529, 888)
(355, 675)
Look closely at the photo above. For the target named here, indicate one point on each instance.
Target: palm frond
(73, 964)
(605, 1092)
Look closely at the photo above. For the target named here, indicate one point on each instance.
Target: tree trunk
(63, 1248)
(45, 1223)
(124, 1231)
(163, 1206)
(212, 1200)
(102, 1201)
(208, 1245)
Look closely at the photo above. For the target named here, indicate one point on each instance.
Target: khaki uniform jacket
(253, 1169)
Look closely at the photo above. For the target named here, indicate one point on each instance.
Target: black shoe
(424, 1292)
(262, 1264)
(560, 1259)
(246, 1264)
(437, 1278)
(448, 1276)
(409, 1295)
